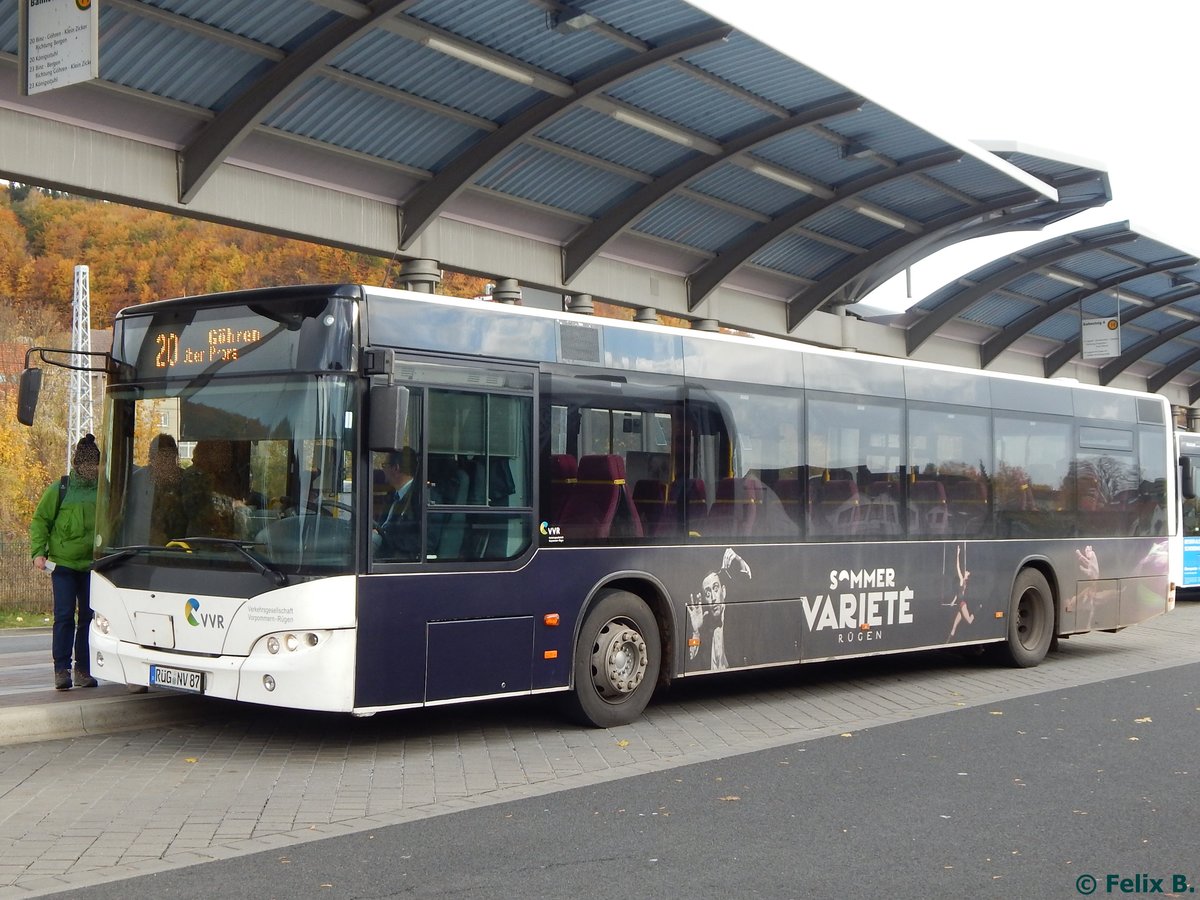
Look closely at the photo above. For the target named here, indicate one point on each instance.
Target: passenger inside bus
(154, 512)
(399, 531)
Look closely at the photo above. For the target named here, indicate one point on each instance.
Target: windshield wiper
(182, 545)
(120, 554)
(260, 565)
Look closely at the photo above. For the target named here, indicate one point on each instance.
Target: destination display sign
(192, 347)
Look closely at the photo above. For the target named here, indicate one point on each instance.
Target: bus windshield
(257, 467)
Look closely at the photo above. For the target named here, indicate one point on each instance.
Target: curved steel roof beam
(923, 329)
(828, 288)
(1070, 349)
(1014, 331)
(423, 207)
(584, 247)
(1163, 376)
(201, 158)
(1115, 367)
(705, 280)
(1005, 222)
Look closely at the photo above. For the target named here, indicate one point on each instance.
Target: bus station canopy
(1037, 297)
(643, 134)
(637, 151)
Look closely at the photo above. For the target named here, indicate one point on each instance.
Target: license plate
(177, 679)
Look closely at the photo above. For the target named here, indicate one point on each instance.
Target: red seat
(928, 512)
(735, 508)
(599, 506)
(968, 505)
(654, 507)
(564, 473)
(835, 506)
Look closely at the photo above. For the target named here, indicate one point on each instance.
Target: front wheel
(1030, 620)
(616, 663)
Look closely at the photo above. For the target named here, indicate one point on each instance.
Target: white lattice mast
(79, 399)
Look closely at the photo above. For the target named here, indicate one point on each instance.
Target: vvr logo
(208, 620)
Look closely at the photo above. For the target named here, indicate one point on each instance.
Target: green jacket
(66, 540)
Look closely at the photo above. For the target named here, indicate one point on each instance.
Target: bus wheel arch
(617, 660)
(1032, 618)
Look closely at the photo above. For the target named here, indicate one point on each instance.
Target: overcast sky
(1109, 83)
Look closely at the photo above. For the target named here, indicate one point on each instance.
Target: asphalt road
(1026, 798)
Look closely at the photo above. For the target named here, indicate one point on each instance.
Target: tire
(616, 664)
(1030, 620)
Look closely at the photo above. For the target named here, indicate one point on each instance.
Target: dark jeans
(72, 617)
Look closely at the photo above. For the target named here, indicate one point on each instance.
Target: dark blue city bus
(354, 499)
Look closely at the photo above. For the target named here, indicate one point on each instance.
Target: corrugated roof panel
(1096, 265)
(1131, 340)
(1106, 304)
(557, 181)
(1157, 320)
(676, 96)
(434, 76)
(886, 134)
(1171, 350)
(766, 72)
(603, 137)
(693, 223)
(193, 70)
(914, 198)
(1190, 305)
(976, 179)
(525, 32)
(9, 28)
(1038, 287)
(345, 117)
(806, 153)
(847, 225)
(277, 23)
(797, 255)
(998, 310)
(1063, 326)
(649, 20)
(735, 184)
(1148, 285)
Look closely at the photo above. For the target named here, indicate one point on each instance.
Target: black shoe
(84, 679)
(62, 679)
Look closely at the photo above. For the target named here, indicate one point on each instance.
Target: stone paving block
(264, 782)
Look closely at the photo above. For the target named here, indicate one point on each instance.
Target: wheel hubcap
(619, 660)
(1027, 619)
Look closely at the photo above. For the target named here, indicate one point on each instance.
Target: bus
(355, 499)
(1188, 449)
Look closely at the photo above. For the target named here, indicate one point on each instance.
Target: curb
(83, 718)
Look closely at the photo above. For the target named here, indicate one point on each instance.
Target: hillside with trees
(133, 256)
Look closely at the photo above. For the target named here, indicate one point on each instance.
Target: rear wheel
(616, 661)
(1030, 620)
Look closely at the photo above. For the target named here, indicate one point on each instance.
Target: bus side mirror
(388, 411)
(27, 395)
(1187, 484)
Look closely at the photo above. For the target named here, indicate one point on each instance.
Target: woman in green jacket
(61, 536)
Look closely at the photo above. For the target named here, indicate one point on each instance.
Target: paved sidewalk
(238, 780)
(31, 710)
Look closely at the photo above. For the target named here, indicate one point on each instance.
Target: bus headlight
(101, 621)
(293, 641)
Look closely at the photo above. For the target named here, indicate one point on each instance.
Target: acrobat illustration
(959, 601)
(706, 610)
(1084, 600)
